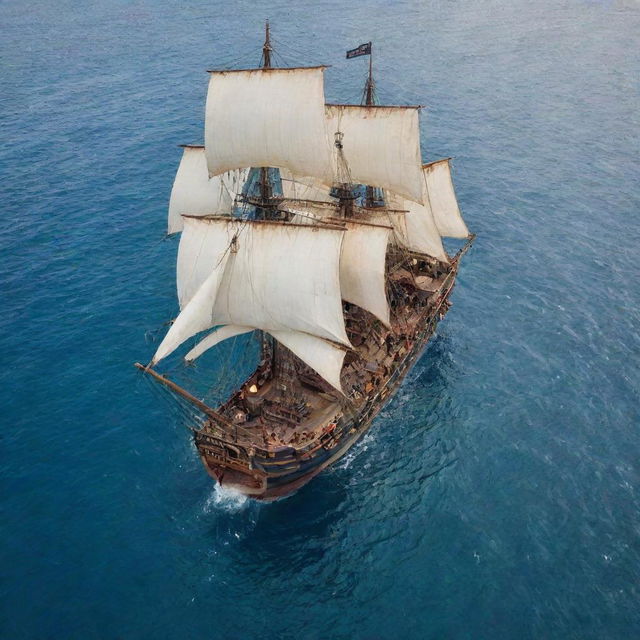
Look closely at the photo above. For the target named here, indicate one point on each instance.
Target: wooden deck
(269, 416)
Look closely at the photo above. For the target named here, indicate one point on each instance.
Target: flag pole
(369, 192)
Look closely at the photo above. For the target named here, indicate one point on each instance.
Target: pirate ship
(316, 228)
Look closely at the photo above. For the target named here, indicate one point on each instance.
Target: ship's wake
(223, 499)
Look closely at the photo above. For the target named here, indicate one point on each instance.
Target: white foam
(359, 447)
(225, 500)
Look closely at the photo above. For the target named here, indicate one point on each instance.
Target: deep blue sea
(497, 496)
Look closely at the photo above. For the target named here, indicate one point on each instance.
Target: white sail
(310, 212)
(196, 315)
(362, 267)
(265, 275)
(196, 194)
(362, 259)
(214, 338)
(323, 357)
(320, 355)
(415, 230)
(381, 146)
(284, 277)
(304, 187)
(267, 118)
(421, 231)
(201, 248)
(304, 216)
(442, 199)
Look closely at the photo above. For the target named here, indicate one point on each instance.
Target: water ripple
(495, 496)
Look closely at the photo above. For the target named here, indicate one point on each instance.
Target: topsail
(267, 118)
(381, 146)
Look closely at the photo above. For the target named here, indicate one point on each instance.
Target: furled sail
(442, 199)
(265, 275)
(381, 146)
(196, 194)
(267, 118)
(306, 212)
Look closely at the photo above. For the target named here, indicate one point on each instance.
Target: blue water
(496, 497)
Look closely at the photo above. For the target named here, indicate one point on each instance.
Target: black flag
(362, 50)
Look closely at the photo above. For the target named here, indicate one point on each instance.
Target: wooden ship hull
(258, 461)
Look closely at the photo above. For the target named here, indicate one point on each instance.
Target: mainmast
(270, 351)
(266, 192)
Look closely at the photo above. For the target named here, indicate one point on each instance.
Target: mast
(265, 185)
(266, 47)
(344, 189)
(369, 86)
(369, 101)
(268, 345)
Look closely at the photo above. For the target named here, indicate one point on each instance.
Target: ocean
(497, 495)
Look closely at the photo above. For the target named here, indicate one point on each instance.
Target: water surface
(495, 497)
